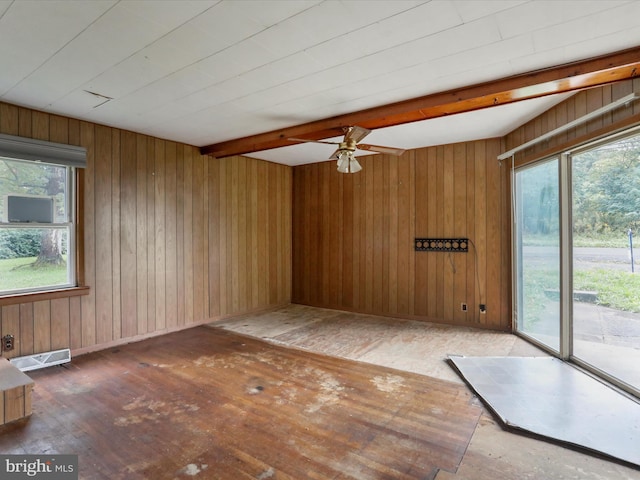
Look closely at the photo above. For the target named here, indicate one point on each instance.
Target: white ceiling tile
(113, 115)
(541, 14)
(40, 29)
(178, 131)
(390, 65)
(282, 116)
(293, 67)
(319, 23)
(283, 39)
(168, 13)
(399, 30)
(203, 98)
(112, 38)
(164, 113)
(225, 24)
(471, 10)
(235, 60)
(238, 87)
(469, 35)
(602, 45)
(275, 11)
(604, 23)
(14, 67)
(168, 89)
(77, 103)
(198, 43)
(146, 67)
(345, 48)
(410, 25)
(479, 58)
(171, 57)
(44, 27)
(207, 71)
(4, 5)
(445, 43)
(273, 96)
(128, 76)
(370, 12)
(306, 29)
(231, 128)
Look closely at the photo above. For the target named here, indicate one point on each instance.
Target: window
(37, 215)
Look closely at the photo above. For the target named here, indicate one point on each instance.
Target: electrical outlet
(483, 308)
(463, 307)
(8, 343)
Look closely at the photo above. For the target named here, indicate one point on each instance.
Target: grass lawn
(16, 273)
(616, 289)
(609, 240)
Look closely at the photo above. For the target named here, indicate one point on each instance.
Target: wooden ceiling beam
(575, 76)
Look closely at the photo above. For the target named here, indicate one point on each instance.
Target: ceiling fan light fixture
(345, 153)
(347, 162)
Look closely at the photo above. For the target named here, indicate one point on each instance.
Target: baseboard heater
(41, 360)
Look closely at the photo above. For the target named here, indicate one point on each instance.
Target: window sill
(39, 296)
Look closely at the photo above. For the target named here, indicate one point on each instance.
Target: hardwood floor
(494, 452)
(213, 404)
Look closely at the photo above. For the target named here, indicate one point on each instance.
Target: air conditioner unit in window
(28, 209)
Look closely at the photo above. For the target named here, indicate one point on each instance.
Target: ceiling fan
(347, 162)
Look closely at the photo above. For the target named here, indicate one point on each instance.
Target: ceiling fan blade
(356, 133)
(334, 155)
(312, 141)
(381, 149)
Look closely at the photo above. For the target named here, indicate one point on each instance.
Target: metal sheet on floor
(549, 397)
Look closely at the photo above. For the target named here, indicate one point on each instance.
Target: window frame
(73, 159)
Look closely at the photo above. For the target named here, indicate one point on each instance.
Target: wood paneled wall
(174, 239)
(353, 235)
(171, 238)
(575, 107)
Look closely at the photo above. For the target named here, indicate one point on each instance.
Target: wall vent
(41, 360)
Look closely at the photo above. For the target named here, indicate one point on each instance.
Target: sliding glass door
(577, 276)
(537, 249)
(606, 283)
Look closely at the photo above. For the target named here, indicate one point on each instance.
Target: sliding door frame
(566, 258)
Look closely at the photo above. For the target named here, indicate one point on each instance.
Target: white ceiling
(201, 72)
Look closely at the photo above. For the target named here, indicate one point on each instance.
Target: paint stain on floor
(266, 474)
(388, 383)
(193, 469)
(142, 409)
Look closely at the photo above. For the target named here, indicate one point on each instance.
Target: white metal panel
(477, 59)
(275, 11)
(207, 71)
(542, 14)
(298, 65)
(112, 38)
(4, 5)
(235, 60)
(370, 12)
(605, 23)
(31, 32)
(473, 9)
(164, 92)
(168, 13)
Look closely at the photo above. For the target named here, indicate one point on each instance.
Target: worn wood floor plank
(206, 403)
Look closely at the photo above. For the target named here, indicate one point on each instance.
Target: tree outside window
(34, 254)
